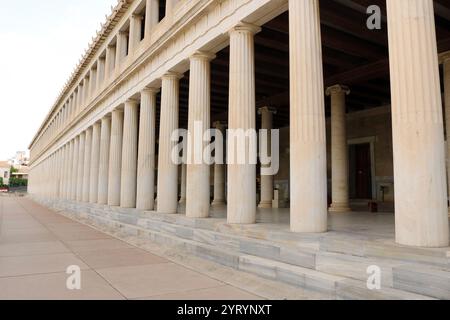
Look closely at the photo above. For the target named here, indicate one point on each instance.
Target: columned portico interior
(339, 129)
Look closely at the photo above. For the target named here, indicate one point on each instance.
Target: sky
(41, 42)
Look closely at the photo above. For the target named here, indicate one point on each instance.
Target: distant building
(22, 173)
(5, 171)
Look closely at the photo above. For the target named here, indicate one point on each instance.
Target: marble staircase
(333, 264)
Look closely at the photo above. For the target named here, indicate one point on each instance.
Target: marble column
(145, 197)
(110, 61)
(151, 16)
(93, 82)
(103, 169)
(87, 91)
(309, 210)
(80, 169)
(198, 198)
(129, 154)
(87, 166)
(339, 149)
(421, 212)
(79, 105)
(170, 5)
(267, 192)
(242, 116)
(95, 163)
(167, 169)
(115, 158)
(135, 32)
(69, 183)
(65, 161)
(219, 170)
(100, 73)
(446, 66)
(121, 51)
(73, 183)
(183, 184)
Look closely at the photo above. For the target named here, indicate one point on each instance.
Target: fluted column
(95, 163)
(267, 180)
(100, 73)
(151, 16)
(183, 184)
(110, 62)
(79, 105)
(339, 149)
(129, 154)
(219, 170)
(121, 52)
(242, 116)
(63, 193)
(87, 166)
(115, 158)
(62, 171)
(170, 5)
(135, 32)
(198, 172)
(87, 91)
(418, 133)
(93, 82)
(80, 169)
(103, 169)
(167, 169)
(69, 167)
(308, 133)
(73, 184)
(145, 194)
(447, 116)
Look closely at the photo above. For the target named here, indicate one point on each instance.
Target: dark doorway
(360, 171)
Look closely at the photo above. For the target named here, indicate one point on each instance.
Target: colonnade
(113, 161)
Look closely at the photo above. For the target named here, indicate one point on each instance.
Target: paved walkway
(37, 246)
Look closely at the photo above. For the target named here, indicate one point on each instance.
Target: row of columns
(421, 189)
(103, 69)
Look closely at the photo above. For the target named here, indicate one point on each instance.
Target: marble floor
(37, 246)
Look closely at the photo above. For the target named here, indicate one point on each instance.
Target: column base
(265, 205)
(218, 203)
(339, 208)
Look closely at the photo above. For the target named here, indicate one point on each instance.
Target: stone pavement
(38, 245)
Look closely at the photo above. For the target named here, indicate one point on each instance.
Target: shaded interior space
(353, 56)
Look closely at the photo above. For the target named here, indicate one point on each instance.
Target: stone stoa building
(360, 111)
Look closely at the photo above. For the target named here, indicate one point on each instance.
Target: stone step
(357, 290)
(332, 242)
(432, 282)
(272, 260)
(345, 265)
(328, 286)
(361, 246)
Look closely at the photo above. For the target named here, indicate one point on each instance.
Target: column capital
(202, 55)
(133, 101)
(248, 27)
(137, 16)
(444, 57)
(172, 75)
(265, 109)
(337, 89)
(151, 90)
